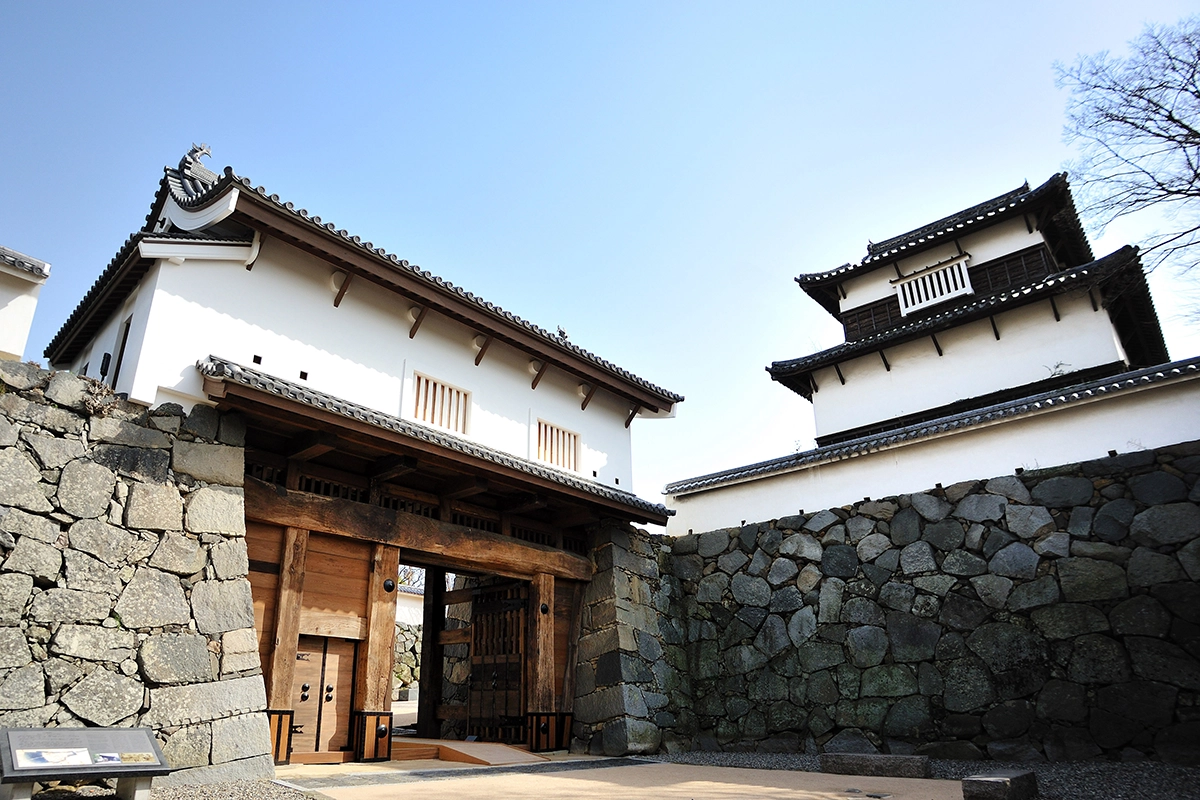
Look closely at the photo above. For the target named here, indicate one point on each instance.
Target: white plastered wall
(282, 311)
(1155, 416)
(1032, 347)
(18, 300)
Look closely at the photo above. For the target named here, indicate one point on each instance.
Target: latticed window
(440, 404)
(557, 446)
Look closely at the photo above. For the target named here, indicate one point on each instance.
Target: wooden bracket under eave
(886, 365)
(936, 344)
(417, 320)
(995, 330)
(632, 414)
(483, 348)
(537, 378)
(337, 301)
(1054, 308)
(214, 387)
(838, 369)
(588, 398)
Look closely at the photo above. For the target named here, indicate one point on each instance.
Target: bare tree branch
(1136, 122)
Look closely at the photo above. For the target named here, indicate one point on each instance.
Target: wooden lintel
(591, 392)
(311, 445)
(632, 414)
(287, 618)
(838, 369)
(886, 365)
(422, 539)
(390, 467)
(541, 643)
(416, 326)
(456, 636)
(455, 596)
(538, 377)
(483, 348)
(936, 345)
(1054, 308)
(995, 330)
(373, 676)
(462, 488)
(525, 504)
(337, 301)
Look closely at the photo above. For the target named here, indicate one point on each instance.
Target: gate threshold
(490, 754)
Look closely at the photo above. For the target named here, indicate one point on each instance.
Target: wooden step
(414, 753)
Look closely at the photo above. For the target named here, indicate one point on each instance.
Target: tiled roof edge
(1061, 281)
(174, 183)
(223, 369)
(18, 260)
(966, 419)
(948, 224)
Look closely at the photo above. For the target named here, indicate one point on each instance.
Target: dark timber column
(373, 689)
(434, 620)
(287, 635)
(541, 644)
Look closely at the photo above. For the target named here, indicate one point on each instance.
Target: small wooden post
(287, 618)
(431, 654)
(541, 644)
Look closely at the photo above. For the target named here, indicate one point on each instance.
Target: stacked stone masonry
(406, 669)
(1050, 615)
(124, 598)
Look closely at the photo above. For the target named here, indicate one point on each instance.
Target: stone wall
(631, 652)
(1053, 616)
(406, 667)
(124, 599)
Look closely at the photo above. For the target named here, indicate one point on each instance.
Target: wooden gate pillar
(541, 644)
(287, 634)
(431, 654)
(372, 733)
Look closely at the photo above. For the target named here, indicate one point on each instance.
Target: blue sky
(649, 176)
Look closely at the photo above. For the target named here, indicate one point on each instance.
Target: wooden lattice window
(440, 404)
(557, 446)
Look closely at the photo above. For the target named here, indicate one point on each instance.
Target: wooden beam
(936, 344)
(391, 467)
(568, 680)
(373, 677)
(456, 636)
(886, 365)
(287, 618)
(434, 620)
(311, 445)
(541, 644)
(455, 596)
(838, 369)
(995, 330)
(422, 540)
(451, 711)
(538, 377)
(337, 301)
(632, 414)
(1054, 308)
(525, 504)
(463, 488)
(590, 393)
(416, 326)
(483, 348)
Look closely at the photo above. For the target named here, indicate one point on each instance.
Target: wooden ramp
(405, 748)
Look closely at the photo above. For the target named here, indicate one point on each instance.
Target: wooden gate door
(322, 695)
(496, 702)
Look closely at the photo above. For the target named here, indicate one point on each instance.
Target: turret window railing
(933, 285)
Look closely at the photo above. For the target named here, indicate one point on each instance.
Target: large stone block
(243, 736)
(202, 702)
(605, 704)
(981, 507)
(628, 736)
(259, 768)
(23, 688)
(1016, 658)
(15, 589)
(69, 605)
(104, 697)
(1028, 522)
(1063, 492)
(19, 523)
(968, 684)
(154, 507)
(21, 482)
(1017, 560)
(52, 451)
(1148, 568)
(45, 416)
(14, 650)
(1157, 488)
(37, 559)
(93, 643)
(875, 764)
(1087, 579)
(189, 746)
(221, 606)
(106, 542)
(889, 680)
(179, 554)
(1068, 620)
(211, 463)
(912, 638)
(1169, 524)
(152, 599)
(118, 431)
(229, 559)
(140, 463)
(1097, 659)
(239, 652)
(88, 574)
(1156, 660)
(1013, 784)
(85, 489)
(176, 658)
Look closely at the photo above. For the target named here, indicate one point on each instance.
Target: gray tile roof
(945, 229)
(1188, 368)
(222, 369)
(34, 266)
(190, 186)
(970, 308)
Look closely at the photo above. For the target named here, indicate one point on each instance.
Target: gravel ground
(1080, 780)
